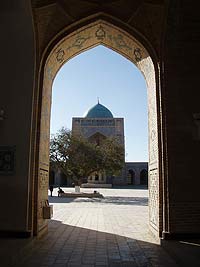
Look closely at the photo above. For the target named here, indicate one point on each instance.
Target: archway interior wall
(83, 39)
(155, 194)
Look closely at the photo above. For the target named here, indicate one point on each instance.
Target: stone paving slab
(112, 231)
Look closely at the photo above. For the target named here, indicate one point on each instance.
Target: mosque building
(99, 123)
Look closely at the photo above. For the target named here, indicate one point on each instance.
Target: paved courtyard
(112, 231)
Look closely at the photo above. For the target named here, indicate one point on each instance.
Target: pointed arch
(104, 33)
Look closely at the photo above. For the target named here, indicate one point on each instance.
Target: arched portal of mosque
(104, 33)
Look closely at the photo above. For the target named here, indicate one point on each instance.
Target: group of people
(60, 191)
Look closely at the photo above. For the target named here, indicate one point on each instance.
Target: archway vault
(104, 33)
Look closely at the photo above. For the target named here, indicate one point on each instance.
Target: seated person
(60, 191)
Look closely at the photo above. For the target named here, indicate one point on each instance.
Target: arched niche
(104, 33)
(132, 176)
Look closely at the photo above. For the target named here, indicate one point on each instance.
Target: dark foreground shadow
(185, 252)
(67, 245)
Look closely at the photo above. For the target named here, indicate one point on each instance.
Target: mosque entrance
(101, 32)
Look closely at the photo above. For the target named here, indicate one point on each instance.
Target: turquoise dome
(99, 111)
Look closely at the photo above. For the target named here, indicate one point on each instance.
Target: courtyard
(110, 231)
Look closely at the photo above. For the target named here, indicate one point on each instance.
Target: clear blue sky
(120, 86)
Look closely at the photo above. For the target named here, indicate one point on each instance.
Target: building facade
(98, 124)
(136, 173)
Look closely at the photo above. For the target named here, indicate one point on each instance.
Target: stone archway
(132, 176)
(86, 37)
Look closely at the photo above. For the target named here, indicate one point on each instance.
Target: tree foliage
(79, 158)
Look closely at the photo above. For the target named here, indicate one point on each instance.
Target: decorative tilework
(7, 160)
(60, 55)
(100, 33)
(153, 198)
(137, 54)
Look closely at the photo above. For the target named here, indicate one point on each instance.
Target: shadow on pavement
(55, 199)
(140, 187)
(138, 201)
(67, 245)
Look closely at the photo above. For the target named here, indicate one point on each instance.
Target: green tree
(113, 155)
(78, 158)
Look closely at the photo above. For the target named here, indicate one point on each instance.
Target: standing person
(51, 189)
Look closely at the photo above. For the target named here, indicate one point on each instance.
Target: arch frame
(148, 51)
